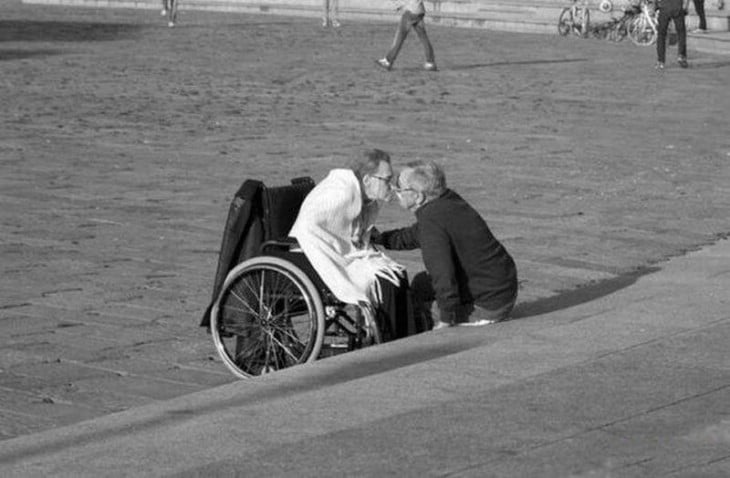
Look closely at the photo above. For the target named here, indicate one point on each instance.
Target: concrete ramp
(633, 383)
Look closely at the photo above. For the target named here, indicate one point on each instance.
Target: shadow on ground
(21, 30)
(6, 55)
(512, 63)
(581, 295)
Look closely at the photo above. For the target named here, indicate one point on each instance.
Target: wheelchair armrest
(285, 243)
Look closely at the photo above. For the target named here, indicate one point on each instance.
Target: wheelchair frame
(271, 314)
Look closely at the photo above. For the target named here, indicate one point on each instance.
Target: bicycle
(643, 28)
(575, 18)
(616, 29)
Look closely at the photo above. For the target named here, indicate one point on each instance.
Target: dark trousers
(700, 10)
(663, 25)
(407, 21)
(395, 316)
(426, 310)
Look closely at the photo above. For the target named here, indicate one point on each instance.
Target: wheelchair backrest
(281, 206)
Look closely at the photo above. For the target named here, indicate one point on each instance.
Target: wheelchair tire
(268, 316)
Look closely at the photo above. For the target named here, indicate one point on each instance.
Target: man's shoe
(428, 66)
(682, 62)
(440, 325)
(478, 323)
(659, 65)
(384, 63)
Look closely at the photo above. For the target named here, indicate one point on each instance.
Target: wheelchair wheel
(268, 316)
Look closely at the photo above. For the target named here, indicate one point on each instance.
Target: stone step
(529, 16)
(710, 42)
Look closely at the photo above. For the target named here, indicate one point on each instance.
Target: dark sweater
(466, 262)
(670, 5)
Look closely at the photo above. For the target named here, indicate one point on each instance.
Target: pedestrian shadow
(512, 63)
(30, 31)
(579, 296)
(709, 65)
(6, 55)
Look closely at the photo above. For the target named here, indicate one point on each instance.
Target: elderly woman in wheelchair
(288, 293)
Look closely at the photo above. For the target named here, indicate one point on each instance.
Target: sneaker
(428, 66)
(336, 24)
(682, 62)
(325, 23)
(163, 12)
(170, 24)
(478, 323)
(440, 325)
(384, 63)
(699, 30)
(659, 65)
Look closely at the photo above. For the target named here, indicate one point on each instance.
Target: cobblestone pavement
(122, 142)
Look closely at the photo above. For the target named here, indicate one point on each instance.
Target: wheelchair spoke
(274, 340)
(288, 330)
(286, 334)
(240, 295)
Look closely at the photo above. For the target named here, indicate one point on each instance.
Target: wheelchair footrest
(346, 323)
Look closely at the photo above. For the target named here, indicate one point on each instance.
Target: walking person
(331, 14)
(676, 11)
(700, 11)
(413, 13)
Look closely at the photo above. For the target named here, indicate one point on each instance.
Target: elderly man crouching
(469, 273)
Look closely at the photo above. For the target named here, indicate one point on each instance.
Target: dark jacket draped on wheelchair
(256, 214)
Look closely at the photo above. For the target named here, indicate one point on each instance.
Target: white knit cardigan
(334, 232)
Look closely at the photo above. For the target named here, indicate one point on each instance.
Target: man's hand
(375, 235)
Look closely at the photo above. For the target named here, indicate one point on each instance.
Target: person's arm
(439, 261)
(404, 239)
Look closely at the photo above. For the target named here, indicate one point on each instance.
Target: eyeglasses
(387, 180)
(398, 189)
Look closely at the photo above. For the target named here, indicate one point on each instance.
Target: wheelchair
(272, 310)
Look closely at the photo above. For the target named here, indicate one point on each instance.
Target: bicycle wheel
(641, 31)
(268, 316)
(565, 21)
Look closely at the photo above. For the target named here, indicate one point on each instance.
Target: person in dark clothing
(700, 10)
(674, 10)
(470, 278)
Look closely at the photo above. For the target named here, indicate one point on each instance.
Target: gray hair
(427, 178)
(368, 162)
